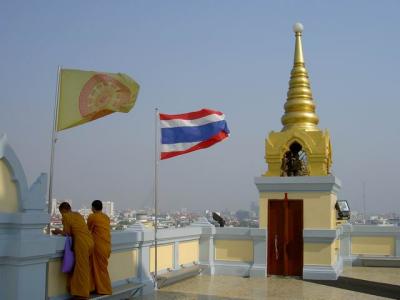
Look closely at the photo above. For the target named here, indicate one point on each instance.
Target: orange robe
(79, 283)
(99, 226)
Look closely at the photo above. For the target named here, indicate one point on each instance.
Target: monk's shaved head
(97, 205)
(64, 206)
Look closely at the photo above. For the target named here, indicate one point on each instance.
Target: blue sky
(234, 56)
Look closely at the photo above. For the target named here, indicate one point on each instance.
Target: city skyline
(253, 207)
(230, 56)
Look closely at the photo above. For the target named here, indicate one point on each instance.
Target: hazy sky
(233, 56)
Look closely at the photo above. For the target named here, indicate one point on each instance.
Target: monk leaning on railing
(79, 282)
(99, 226)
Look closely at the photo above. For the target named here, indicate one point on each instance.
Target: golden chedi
(300, 148)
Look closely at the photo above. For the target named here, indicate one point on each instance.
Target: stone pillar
(206, 245)
(145, 242)
(258, 269)
(397, 246)
(345, 245)
(176, 256)
(24, 248)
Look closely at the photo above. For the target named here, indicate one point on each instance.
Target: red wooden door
(275, 237)
(285, 237)
(294, 242)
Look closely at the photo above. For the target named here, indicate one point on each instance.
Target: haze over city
(233, 56)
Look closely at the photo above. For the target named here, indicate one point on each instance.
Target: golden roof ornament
(299, 106)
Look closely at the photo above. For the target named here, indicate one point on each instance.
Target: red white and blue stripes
(184, 133)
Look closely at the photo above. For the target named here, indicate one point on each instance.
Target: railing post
(397, 246)
(206, 245)
(259, 267)
(143, 272)
(176, 255)
(345, 245)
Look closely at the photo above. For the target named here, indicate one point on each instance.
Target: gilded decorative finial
(299, 106)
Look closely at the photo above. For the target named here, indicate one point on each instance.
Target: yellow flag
(86, 96)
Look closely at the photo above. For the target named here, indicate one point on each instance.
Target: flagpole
(53, 144)
(156, 161)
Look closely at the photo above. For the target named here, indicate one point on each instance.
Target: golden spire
(299, 106)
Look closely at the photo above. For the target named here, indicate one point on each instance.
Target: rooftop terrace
(233, 259)
(355, 283)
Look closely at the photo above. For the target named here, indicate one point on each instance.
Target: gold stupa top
(299, 106)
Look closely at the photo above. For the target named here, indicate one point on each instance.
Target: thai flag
(184, 133)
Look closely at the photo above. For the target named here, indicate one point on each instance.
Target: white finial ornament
(298, 27)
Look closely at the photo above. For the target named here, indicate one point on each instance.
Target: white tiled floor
(229, 287)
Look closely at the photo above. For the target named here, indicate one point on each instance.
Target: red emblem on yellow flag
(86, 96)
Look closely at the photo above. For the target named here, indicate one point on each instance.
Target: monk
(79, 282)
(99, 226)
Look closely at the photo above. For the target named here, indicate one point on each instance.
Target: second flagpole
(156, 162)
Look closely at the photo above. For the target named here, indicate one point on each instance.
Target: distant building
(128, 213)
(108, 208)
(54, 207)
(85, 212)
(142, 217)
(254, 207)
(55, 204)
